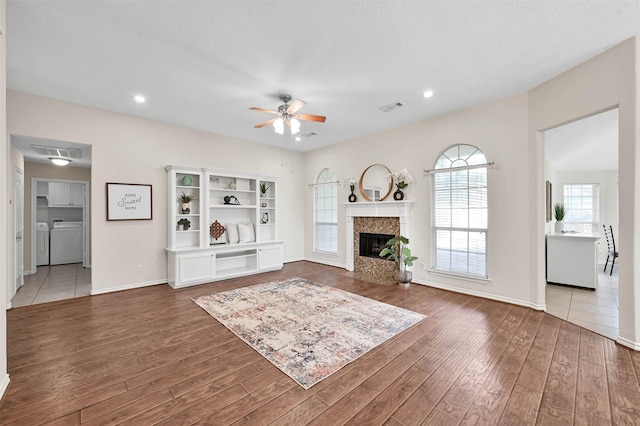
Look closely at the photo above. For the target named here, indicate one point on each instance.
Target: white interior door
(19, 225)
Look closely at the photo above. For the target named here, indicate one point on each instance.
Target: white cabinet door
(59, 194)
(196, 268)
(77, 194)
(270, 258)
(66, 194)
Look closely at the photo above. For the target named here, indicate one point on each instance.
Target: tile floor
(51, 283)
(594, 310)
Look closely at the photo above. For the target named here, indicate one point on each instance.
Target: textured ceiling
(202, 64)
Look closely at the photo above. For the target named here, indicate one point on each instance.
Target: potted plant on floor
(397, 250)
(559, 213)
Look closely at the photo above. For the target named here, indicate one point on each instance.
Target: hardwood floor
(152, 356)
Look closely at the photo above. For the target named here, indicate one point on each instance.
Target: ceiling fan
(287, 113)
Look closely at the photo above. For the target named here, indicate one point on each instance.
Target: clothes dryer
(66, 243)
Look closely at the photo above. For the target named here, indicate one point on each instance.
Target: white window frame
(325, 205)
(571, 222)
(468, 160)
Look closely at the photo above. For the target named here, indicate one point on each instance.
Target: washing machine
(66, 243)
(42, 244)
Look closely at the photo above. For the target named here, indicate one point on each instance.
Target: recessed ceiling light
(298, 138)
(140, 99)
(428, 94)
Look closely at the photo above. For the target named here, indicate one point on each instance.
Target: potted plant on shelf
(184, 224)
(559, 213)
(397, 250)
(185, 199)
(264, 188)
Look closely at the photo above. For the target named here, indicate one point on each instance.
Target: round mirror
(375, 184)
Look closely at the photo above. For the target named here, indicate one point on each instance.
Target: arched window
(459, 212)
(325, 217)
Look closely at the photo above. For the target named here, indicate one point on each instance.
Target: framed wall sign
(128, 201)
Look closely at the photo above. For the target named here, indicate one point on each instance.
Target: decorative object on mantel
(352, 185)
(402, 179)
(263, 205)
(265, 217)
(374, 185)
(185, 199)
(559, 213)
(187, 181)
(397, 250)
(230, 199)
(216, 230)
(263, 189)
(184, 224)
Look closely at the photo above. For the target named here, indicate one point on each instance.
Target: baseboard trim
(324, 262)
(628, 343)
(4, 385)
(95, 292)
(483, 294)
(294, 260)
(9, 305)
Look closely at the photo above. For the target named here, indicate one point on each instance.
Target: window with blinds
(581, 202)
(325, 235)
(459, 212)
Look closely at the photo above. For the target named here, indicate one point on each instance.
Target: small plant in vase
(397, 250)
(186, 199)
(352, 185)
(559, 213)
(402, 179)
(184, 224)
(263, 189)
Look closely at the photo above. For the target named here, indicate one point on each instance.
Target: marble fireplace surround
(399, 209)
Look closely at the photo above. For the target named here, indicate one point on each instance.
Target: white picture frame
(129, 201)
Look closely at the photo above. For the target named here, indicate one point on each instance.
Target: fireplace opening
(372, 244)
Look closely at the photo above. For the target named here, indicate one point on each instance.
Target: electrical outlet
(423, 265)
(139, 268)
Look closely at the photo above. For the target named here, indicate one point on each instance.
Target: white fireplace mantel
(399, 209)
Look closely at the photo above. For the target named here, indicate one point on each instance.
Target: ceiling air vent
(308, 135)
(390, 107)
(51, 151)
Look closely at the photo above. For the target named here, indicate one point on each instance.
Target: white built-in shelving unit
(194, 256)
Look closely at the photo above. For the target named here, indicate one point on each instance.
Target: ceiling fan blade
(264, 110)
(258, 126)
(309, 117)
(295, 106)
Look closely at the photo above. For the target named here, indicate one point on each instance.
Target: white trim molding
(324, 262)
(4, 384)
(482, 294)
(95, 292)
(628, 343)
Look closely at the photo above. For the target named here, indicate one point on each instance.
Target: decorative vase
(185, 208)
(352, 198)
(265, 217)
(404, 278)
(232, 184)
(398, 195)
(187, 181)
(559, 227)
(180, 227)
(264, 204)
(263, 194)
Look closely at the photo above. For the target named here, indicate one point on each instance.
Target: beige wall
(4, 204)
(499, 129)
(606, 81)
(44, 171)
(134, 150)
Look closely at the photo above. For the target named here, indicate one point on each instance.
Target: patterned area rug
(307, 330)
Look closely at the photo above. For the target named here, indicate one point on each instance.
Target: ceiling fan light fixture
(58, 161)
(295, 126)
(278, 125)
